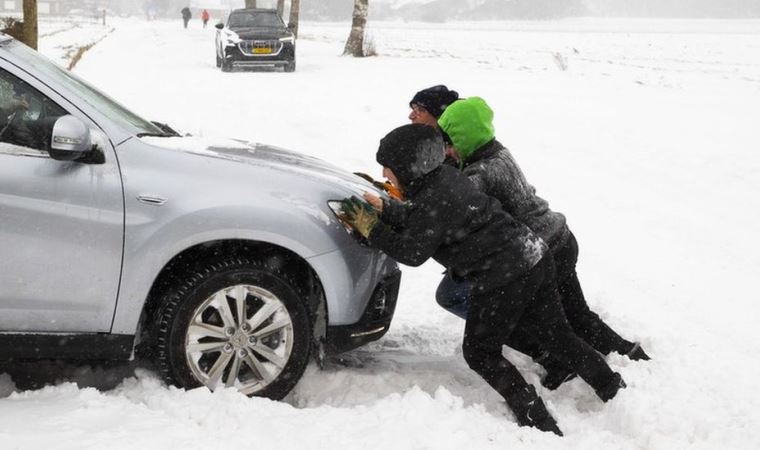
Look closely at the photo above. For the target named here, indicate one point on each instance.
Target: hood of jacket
(469, 125)
(411, 152)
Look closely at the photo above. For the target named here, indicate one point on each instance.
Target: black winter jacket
(466, 231)
(495, 172)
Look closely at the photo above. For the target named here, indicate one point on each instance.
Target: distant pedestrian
(186, 15)
(204, 17)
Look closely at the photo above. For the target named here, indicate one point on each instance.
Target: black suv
(255, 38)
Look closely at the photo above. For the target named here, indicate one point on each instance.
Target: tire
(226, 65)
(218, 60)
(290, 66)
(268, 352)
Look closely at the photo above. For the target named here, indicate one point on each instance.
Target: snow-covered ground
(648, 143)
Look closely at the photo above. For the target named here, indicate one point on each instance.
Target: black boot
(530, 411)
(636, 353)
(556, 374)
(609, 391)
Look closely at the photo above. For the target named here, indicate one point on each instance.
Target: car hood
(264, 155)
(261, 33)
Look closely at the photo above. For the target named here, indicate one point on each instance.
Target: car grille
(260, 48)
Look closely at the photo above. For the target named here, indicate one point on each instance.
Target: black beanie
(435, 99)
(411, 151)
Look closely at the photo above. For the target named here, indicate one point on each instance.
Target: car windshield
(255, 20)
(84, 91)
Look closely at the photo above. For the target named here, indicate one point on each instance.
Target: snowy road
(647, 142)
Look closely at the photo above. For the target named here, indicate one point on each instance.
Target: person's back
(492, 168)
(495, 171)
(478, 239)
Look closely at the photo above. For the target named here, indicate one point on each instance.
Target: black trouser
(586, 323)
(528, 307)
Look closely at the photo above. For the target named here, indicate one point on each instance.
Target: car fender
(170, 211)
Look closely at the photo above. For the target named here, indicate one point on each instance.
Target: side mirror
(219, 26)
(71, 139)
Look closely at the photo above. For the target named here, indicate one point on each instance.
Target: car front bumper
(241, 56)
(373, 324)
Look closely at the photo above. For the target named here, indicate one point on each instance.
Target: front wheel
(218, 60)
(290, 66)
(234, 323)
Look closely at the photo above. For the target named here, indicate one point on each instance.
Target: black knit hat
(411, 151)
(435, 99)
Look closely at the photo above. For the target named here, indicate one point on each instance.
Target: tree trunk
(30, 23)
(355, 42)
(295, 9)
(250, 3)
(280, 7)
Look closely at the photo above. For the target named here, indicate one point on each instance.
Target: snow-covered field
(647, 141)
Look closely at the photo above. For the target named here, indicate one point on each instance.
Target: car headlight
(288, 39)
(230, 38)
(335, 206)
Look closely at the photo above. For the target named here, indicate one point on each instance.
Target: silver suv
(223, 262)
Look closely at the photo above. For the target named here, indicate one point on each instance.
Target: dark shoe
(556, 374)
(636, 353)
(530, 411)
(609, 392)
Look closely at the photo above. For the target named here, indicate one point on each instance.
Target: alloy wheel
(240, 336)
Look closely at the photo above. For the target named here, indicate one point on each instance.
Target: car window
(84, 91)
(250, 20)
(26, 116)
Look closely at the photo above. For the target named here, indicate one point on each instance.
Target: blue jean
(454, 297)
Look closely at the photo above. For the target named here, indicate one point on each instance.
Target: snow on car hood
(259, 154)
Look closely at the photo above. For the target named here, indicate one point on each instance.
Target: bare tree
(30, 23)
(295, 10)
(355, 42)
(280, 7)
(250, 3)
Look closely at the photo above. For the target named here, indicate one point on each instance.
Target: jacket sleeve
(394, 212)
(414, 245)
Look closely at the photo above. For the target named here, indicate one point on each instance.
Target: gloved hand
(360, 215)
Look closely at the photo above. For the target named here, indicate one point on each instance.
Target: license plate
(262, 50)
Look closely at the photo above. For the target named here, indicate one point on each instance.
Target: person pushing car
(510, 268)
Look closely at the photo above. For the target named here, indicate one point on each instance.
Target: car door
(61, 222)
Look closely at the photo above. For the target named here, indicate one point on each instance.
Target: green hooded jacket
(469, 124)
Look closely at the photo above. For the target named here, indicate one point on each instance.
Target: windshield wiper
(166, 131)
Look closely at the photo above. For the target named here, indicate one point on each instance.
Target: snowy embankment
(647, 141)
(61, 39)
